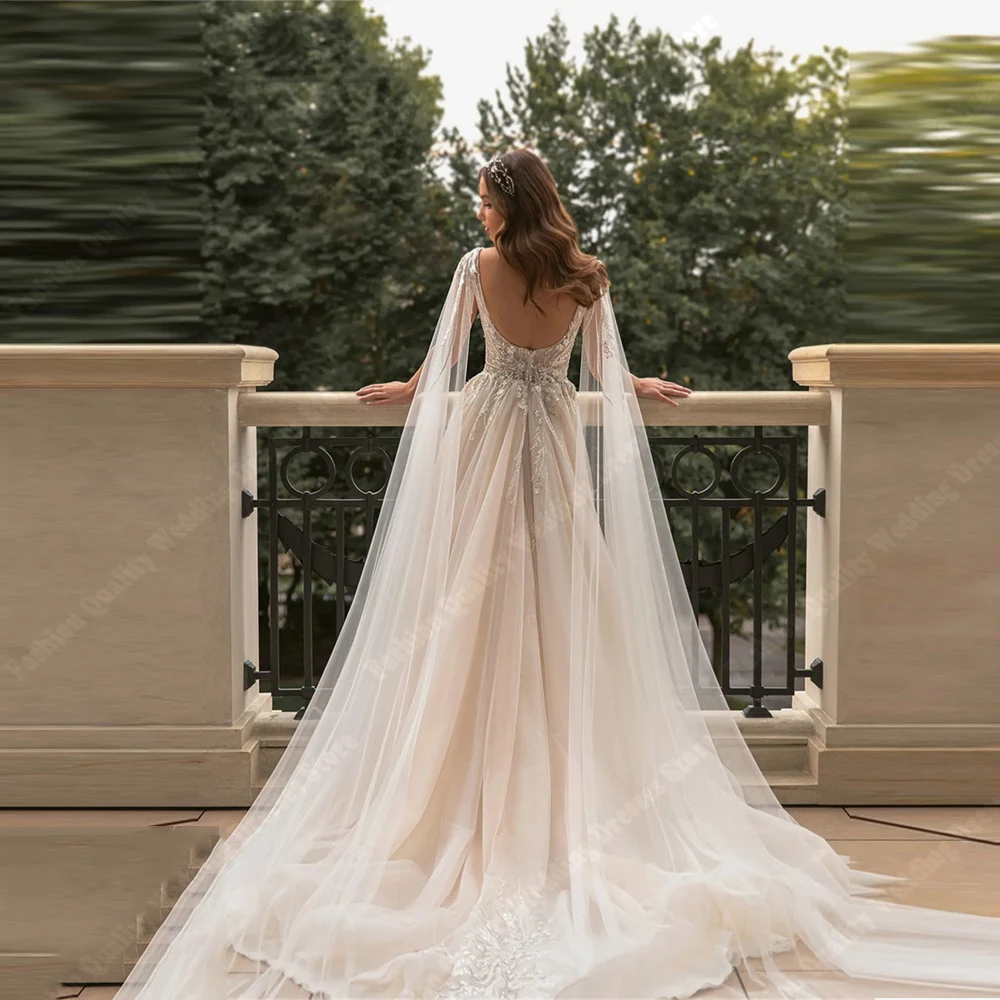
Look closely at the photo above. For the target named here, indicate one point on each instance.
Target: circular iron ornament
(696, 447)
(302, 449)
(752, 450)
(355, 457)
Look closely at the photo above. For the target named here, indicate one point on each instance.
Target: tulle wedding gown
(526, 781)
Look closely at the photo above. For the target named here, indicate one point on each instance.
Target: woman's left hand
(657, 388)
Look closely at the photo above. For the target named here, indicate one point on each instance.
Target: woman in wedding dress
(526, 781)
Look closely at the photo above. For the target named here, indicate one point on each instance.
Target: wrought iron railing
(343, 498)
(738, 527)
(766, 514)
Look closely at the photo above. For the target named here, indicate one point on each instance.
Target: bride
(526, 781)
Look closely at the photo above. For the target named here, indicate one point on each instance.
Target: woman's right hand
(657, 388)
(386, 393)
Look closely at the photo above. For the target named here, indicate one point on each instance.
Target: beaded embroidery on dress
(534, 378)
(518, 776)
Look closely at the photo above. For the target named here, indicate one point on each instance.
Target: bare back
(518, 322)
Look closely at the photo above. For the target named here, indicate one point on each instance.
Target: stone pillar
(128, 597)
(903, 573)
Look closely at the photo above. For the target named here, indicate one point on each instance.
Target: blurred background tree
(924, 241)
(100, 105)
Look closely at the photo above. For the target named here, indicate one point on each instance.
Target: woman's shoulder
(481, 253)
(470, 260)
(603, 284)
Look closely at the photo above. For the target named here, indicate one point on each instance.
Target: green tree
(328, 235)
(712, 187)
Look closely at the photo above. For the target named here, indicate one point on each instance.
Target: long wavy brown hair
(539, 238)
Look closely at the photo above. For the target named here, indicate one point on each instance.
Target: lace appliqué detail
(535, 405)
(503, 952)
(536, 398)
(536, 378)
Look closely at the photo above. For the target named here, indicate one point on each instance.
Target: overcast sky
(471, 41)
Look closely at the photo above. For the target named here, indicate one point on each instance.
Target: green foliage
(712, 188)
(328, 237)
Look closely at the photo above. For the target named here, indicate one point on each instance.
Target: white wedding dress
(526, 781)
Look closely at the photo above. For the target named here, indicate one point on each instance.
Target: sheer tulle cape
(674, 861)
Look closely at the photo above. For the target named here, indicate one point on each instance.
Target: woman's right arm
(411, 383)
(464, 305)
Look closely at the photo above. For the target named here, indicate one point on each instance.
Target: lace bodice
(535, 379)
(538, 365)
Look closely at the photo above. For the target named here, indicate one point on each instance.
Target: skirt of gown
(469, 879)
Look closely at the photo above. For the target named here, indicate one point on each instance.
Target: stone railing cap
(153, 365)
(835, 365)
(789, 408)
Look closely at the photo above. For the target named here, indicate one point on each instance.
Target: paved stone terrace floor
(951, 852)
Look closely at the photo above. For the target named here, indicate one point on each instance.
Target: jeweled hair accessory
(501, 175)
